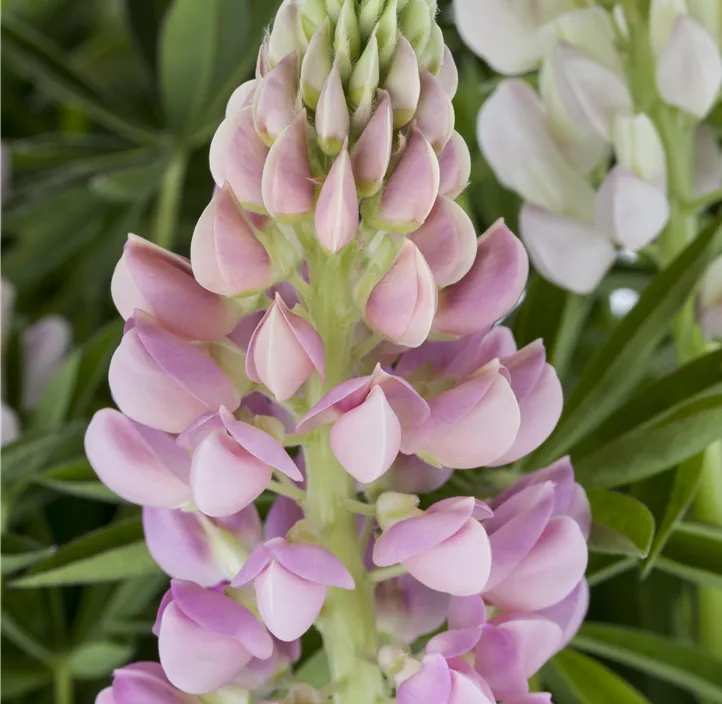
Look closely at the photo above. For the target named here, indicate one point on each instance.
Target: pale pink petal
(569, 613)
(45, 345)
(311, 562)
(536, 638)
(454, 167)
(431, 685)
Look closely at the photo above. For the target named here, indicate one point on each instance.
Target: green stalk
(347, 622)
(166, 215)
(63, 684)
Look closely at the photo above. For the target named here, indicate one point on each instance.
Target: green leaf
(20, 552)
(667, 659)
(649, 450)
(687, 478)
(590, 682)
(694, 553)
(130, 184)
(23, 458)
(77, 478)
(621, 524)
(25, 641)
(106, 555)
(144, 18)
(54, 404)
(188, 44)
(97, 659)
(40, 60)
(620, 363)
(19, 682)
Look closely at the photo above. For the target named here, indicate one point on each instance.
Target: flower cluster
(338, 301)
(610, 89)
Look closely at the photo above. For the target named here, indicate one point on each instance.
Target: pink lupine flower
(163, 381)
(332, 120)
(284, 351)
(370, 415)
(454, 167)
(448, 73)
(291, 581)
(274, 99)
(259, 672)
(372, 152)
(187, 545)
(447, 241)
(403, 83)
(241, 98)
(337, 209)
(444, 547)
(238, 155)
(288, 191)
(140, 464)
(411, 475)
(490, 289)
(410, 193)
(569, 613)
(403, 303)
(539, 530)
(226, 255)
(161, 283)
(205, 638)
(232, 464)
(435, 113)
(406, 609)
(143, 682)
(281, 517)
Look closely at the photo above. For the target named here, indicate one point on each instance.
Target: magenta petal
(536, 638)
(312, 562)
(143, 683)
(466, 612)
(225, 478)
(139, 464)
(431, 685)
(198, 430)
(287, 603)
(177, 542)
(404, 400)
(569, 613)
(499, 663)
(472, 352)
(335, 403)
(105, 696)
(459, 565)
(221, 614)
(256, 563)
(490, 289)
(560, 474)
(454, 643)
(261, 445)
(367, 439)
(166, 599)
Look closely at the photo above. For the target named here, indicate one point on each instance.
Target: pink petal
(498, 661)
(460, 565)
(257, 562)
(536, 638)
(45, 346)
(410, 475)
(435, 113)
(466, 612)
(337, 209)
(454, 167)
(372, 152)
(465, 691)
(580, 510)
(139, 465)
(281, 517)
(569, 613)
(335, 403)
(143, 683)
(274, 99)
(454, 643)
(366, 440)
(560, 474)
(287, 603)
(312, 563)
(431, 685)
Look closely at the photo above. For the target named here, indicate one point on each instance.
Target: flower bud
(316, 64)
(163, 381)
(205, 638)
(689, 69)
(410, 194)
(403, 303)
(226, 256)
(364, 83)
(303, 694)
(369, 13)
(333, 8)
(638, 147)
(392, 507)
(313, 15)
(347, 38)
(387, 32)
(337, 210)
(710, 301)
(662, 15)
(241, 98)
(435, 113)
(591, 93)
(238, 155)
(415, 24)
(284, 33)
(448, 74)
(445, 548)
(274, 103)
(142, 682)
(433, 54)
(490, 288)
(570, 253)
(288, 192)
(372, 153)
(161, 283)
(630, 211)
(284, 351)
(447, 240)
(403, 83)
(454, 167)
(291, 581)
(263, 63)
(140, 464)
(332, 118)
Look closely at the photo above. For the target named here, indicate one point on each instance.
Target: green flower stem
(381, 574)
(347, 622)
(287, 490)
(169, 198)
(360, 507)
(676, 133)
(63, 684)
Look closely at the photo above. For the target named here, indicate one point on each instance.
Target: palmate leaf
(667, 659)
(621, 362)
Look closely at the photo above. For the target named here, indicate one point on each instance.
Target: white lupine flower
(662, 15)
(637, 146)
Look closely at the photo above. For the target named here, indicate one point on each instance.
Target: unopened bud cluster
(338, 300)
